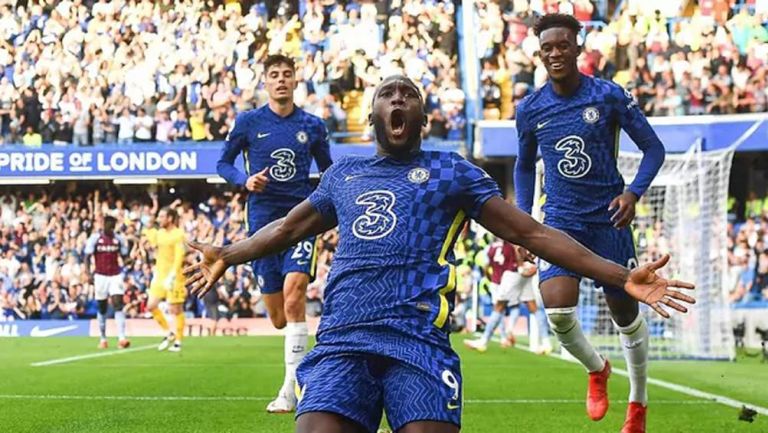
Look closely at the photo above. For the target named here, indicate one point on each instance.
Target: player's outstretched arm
(301, 222)
(515, 226)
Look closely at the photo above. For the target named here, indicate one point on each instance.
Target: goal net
(683, 213)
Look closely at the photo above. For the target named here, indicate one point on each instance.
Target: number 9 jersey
(285, 147)
(383, 338)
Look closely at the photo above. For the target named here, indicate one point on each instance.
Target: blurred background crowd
(91, 72)
(676, 57)
(44, 272)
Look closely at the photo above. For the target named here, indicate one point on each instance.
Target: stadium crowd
(748, 254)
(708, 59)
(90, 72)
(44, 272)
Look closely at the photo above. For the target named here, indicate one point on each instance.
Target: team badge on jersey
(302, 137)
(590, 115)
(418, 175)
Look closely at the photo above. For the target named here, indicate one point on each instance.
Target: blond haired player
(168, 280)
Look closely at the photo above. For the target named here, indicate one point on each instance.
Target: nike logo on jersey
(263, 134)
(452, 406)
(542, 124)
(301, 262)
(352, 176)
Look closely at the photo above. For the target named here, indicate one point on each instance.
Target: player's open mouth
(557, 66)
(282, 89)
(397, 122)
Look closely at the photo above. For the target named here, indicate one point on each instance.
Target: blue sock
(541, 319)
(493, 322)
(503, 327)
(120, 318)
(102, 325)
(514, 314)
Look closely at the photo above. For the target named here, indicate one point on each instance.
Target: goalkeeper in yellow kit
(168, 279)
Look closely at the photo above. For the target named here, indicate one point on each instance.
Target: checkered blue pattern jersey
(398, 222)
(578, 137)
(284, 145)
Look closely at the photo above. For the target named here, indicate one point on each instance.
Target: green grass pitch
(223, 385)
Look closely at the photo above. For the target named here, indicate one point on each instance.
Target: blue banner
(45, 328)
(148, 160)
(749, 132)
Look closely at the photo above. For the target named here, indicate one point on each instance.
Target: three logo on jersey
(378, 219)
(285, 167)
(576, 163)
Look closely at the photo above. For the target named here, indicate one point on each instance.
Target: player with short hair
(575, 120)
(168, 279)
(106, 247)
(383, 342)
(278, 142)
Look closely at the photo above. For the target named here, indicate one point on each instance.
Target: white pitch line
(687, 390)
(251, 398)
(91, 355)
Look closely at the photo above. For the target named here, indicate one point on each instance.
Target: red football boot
(597, 393)
(635, 422)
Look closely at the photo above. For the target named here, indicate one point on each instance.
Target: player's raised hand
(258, 181)
(203, 274)
(625, 209)
(647, 287)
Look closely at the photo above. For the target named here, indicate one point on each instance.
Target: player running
(168, 280)
(383, 339)
(575, 121)
(278, 142)
(107, 247)
(503, 275)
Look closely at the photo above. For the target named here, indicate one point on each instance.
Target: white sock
(296, 342)
(568, 331)
(120, 319)
(634, 342)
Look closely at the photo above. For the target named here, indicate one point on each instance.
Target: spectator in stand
(438, 125)
(143, 126)
(126, 124)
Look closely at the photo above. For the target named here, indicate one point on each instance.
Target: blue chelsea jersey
(283, 145)
(398, 222)
(578, 137)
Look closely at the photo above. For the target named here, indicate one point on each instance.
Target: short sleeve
(476, 185)
(322, 198)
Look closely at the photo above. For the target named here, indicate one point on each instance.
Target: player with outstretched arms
(575, 121)
(167, 279)
(106, 247)
(278, 142)
(383, 342)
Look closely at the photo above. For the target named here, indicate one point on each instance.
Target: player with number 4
(575, 120)
(278, 142)
(383, 342)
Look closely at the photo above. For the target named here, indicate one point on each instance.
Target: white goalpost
(683, 213)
